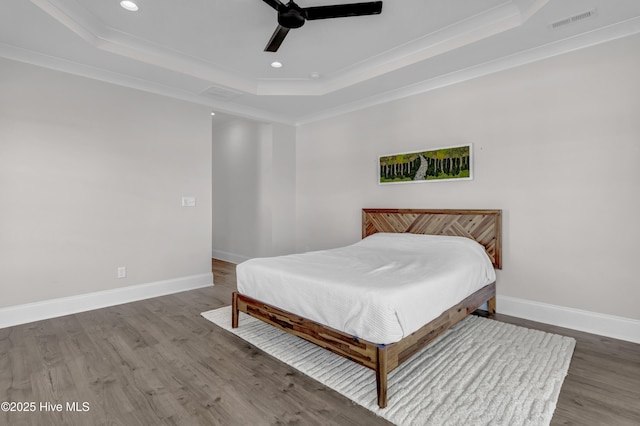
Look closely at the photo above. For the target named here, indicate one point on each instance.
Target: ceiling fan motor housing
(292, 17)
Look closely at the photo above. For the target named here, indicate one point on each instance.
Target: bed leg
(491, 305)
(234, 310)
(381, 375)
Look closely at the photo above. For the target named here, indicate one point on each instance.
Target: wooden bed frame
(483, 226)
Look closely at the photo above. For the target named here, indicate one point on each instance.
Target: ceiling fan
(291, 15)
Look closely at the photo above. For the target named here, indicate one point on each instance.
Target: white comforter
(380, 289)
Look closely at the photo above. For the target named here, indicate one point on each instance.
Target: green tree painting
(438, 164)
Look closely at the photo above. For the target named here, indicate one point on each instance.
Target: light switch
(188, 201)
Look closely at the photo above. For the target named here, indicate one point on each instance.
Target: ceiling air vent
(573, 19)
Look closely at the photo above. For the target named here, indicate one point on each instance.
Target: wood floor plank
(159, 362)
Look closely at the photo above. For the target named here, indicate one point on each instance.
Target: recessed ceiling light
(276, 64)
(213, 113)
(314, 75)
(129, 5)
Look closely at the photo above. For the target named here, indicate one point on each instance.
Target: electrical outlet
(122, 271)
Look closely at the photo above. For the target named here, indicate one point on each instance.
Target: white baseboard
(229, 257)
(29, 312)
(591, 322)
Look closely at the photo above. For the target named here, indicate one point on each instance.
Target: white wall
(556, 147)
(282, 192)
(253, 189)
(91, 178)
(237, 167)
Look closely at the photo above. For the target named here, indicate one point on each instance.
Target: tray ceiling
(211, 51)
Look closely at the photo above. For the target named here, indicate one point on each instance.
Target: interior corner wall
(555, 147)
(253, 190)
(91, 178)
(282, 198)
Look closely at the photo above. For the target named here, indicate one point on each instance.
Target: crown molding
(595, 37)
(82, 70)
(592, 38)
(102, 37)
(475, 28)
(472, 29)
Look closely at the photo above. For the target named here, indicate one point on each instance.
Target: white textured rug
(481, 372)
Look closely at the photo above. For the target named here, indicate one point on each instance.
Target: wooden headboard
(483, 226)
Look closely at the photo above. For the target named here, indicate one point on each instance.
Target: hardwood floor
(158, 361)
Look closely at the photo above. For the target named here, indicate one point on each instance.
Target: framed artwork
(435, 165)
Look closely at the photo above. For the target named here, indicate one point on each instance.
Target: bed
(375, 324)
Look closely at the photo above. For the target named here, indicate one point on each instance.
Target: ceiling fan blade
(343, 10)
(276, 4)
(276, 39)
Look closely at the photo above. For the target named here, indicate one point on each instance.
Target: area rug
(481, 372)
